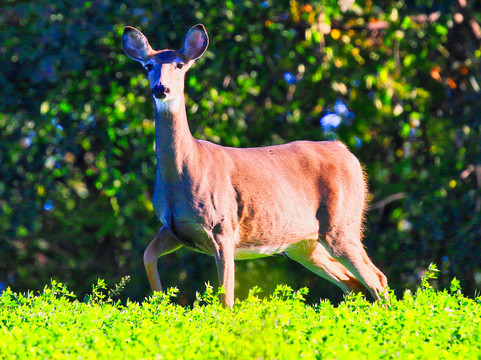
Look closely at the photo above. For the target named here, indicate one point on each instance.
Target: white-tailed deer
(304, 198)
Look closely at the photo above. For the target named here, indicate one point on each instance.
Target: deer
(305, 199)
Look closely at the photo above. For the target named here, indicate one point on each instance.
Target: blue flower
(48, 205)
(330, 122)
(340, 108)
(289, 78)
(358, 142)
(27, 141)
(265, 4)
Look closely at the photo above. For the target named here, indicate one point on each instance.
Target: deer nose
(160, 91)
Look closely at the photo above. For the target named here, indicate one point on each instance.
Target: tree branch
(382, 203)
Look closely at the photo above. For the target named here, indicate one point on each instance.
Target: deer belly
(255, 252)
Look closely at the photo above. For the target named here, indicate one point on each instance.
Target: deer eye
(149, 67)
(180, 65)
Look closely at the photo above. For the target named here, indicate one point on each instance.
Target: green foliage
(99, 290)
(431, 273)
(427, 324)
(76, 160)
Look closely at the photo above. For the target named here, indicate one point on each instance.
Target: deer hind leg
(313, 256)
(164, 243)
(349, 251)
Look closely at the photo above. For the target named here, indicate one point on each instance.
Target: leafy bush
(424, 324)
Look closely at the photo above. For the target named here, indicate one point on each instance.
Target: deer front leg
(164, 243)
(224, 258)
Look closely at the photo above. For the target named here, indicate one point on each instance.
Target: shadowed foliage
(398, 83)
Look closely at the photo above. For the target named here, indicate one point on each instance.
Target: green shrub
(426, 324)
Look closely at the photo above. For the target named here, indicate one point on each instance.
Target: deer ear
(195, 42)
(136, 45)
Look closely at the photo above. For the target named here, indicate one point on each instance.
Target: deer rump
(264, 199)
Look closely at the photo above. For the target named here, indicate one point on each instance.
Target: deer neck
(174, 143)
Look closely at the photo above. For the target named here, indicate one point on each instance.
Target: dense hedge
(424, 324)
(399, 83)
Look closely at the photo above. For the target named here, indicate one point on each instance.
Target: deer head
(166, 68)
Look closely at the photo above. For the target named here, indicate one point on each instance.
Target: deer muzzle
(160, 91)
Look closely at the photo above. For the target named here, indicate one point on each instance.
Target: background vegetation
(399, 83)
